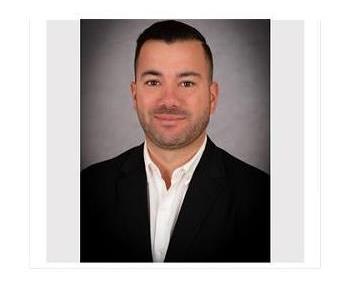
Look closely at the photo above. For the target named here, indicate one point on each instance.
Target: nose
(170, 96)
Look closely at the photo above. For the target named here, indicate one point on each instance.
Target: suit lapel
(205, 187)
(132, 193)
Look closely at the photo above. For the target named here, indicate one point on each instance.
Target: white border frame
(38, 142)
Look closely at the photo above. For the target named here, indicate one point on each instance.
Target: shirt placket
(162, 222)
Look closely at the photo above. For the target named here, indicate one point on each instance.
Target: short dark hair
(171, 31)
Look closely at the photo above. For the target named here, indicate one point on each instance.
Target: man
(177, 197)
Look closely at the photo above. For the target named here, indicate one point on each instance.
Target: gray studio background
(241, 123)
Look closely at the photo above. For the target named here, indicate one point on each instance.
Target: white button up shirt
(165, 204)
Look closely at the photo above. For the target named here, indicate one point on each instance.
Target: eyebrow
(189, 73)
(179, 75)
(151, 72)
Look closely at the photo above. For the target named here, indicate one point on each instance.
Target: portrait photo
(186, 146)
(175, 140)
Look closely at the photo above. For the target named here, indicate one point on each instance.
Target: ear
(133, 92)
(214, 95)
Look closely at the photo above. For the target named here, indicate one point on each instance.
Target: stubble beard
(190, 133)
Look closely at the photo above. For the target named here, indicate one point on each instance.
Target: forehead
(174, 56)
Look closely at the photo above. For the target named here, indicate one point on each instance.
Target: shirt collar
(187, 168)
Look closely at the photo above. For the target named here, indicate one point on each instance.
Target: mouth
(169, 120)
(169, 117)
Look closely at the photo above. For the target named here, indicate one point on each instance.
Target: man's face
(172, 93)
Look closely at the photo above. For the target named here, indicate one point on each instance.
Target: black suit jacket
(225, 215)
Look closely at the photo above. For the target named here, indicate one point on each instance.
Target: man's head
(173, 90)
(173, 31)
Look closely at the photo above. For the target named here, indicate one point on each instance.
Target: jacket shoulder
(234, 166)
(112, 167)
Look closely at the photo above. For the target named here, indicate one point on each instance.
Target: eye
(152, 82)
(187, 84)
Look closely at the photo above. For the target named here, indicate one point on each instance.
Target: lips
(169, 117)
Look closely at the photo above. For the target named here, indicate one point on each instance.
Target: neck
(168, 160)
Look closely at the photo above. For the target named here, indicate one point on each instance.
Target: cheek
(197, 99)
(144, 104)
(146, 97)
(187, 93)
